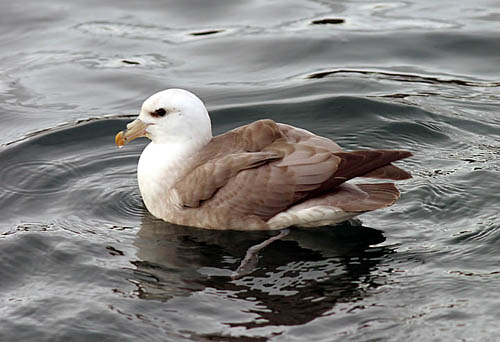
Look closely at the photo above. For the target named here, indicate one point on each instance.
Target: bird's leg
(249, 263)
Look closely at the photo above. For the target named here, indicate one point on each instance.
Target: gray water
(83, 260)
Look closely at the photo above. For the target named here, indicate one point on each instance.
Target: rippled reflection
(297, 279)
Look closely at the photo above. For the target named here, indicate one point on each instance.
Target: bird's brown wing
(224, 157)
(263, 168)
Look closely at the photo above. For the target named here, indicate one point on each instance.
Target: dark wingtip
(405, 154)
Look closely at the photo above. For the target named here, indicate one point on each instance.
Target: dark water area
(83, 260)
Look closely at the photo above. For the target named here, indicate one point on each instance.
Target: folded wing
(264, 168)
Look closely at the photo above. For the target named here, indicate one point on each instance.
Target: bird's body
(261, 176)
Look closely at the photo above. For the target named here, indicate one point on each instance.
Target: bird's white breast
(160, 166)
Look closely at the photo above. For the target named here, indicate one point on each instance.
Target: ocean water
(83, 260)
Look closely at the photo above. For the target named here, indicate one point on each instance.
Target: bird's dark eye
(159, 112)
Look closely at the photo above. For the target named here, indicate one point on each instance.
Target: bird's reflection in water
(304, 275)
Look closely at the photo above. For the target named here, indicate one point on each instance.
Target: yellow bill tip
(119, 140)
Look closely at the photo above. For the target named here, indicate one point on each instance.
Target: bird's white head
(170, 116)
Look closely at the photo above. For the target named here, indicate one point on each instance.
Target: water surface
(82, 258)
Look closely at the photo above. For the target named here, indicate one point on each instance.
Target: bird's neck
(166, 159)
(165, 163)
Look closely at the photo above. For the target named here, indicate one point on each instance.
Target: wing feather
(264, 168)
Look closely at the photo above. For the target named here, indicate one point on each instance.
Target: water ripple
(405, 77)
(148, 32)
(77, 167)
(38, 177)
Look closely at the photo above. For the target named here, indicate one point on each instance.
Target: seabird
(261, 176)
